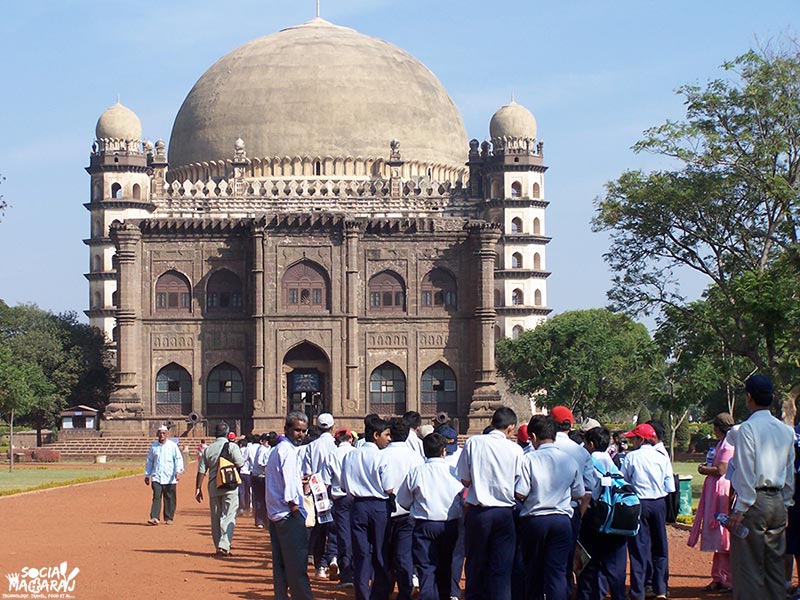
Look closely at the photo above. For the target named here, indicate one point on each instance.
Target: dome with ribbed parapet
(318, 90)
(118, 123)
(513, 121)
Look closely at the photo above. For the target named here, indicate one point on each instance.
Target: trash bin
(685, 494)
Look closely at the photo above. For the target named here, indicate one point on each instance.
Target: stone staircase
(116, 448)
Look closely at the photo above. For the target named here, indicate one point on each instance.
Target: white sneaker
(333, 570)
(322, 573)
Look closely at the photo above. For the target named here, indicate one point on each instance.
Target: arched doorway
(308, 388)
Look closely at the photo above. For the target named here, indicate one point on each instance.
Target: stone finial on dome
(512, 126)
(395, 146)
(119, 123)
(239, 151)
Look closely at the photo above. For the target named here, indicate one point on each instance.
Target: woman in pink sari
(715, 498)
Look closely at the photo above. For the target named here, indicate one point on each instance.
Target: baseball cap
(325, 420)
(452, 438)
(163, 428)
(425, 430)
(758, 384)
(589, 424)
(341, 431)
(561, 414)
(232, 436)
(644, 431)
(522, 434)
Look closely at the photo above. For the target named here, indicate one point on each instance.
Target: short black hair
(374, 426)
(576, 435)
(760, 389)
(503, 417)
(273, 439)
(414, 419)
(222, 429)
(264, 438)
(543, 427)
(658, 427)
(433, 445)
(600, 437)
(343, 436)
(398, 428)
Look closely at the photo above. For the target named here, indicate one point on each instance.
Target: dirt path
(100, 529)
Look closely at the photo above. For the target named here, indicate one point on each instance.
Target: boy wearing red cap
(650, 474)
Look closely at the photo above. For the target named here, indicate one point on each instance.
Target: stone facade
(245, 287)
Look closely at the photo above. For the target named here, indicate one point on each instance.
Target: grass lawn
(29, 477)
(690, 468)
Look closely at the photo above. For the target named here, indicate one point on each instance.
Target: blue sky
(595, 75)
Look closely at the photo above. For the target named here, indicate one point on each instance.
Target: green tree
(593, 361)
(729, 212)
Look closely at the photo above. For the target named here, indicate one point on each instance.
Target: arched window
(173, 391)
(537, 262)
(116, 190)
(517, 297)
(98, 262)
(495, 189)
(537, 298)
(537, 226)
(536, 191)
(387, 292)
(438, 391)
(498, 260)
(387, 390)
(516, 260)
(516, 189)
(498, 298)
(317, 167)
(516, 225)
(224, 292)
(173, 293)
(136, 192)
(305, 287)
(439, 290)
(225, 391)
(98, 228)
(497, 333)
(98, 300)
(516, 332)
(115, 298)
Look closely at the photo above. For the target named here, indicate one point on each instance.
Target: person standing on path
(162, 468)
(287, 517)
(223, 503)
(763, 478)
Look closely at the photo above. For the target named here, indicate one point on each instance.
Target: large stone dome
(318, 89)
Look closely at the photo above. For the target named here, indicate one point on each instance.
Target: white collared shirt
(400, 459)
(284, 482)
(413, 442)
(364, 472)
(429, 493)
(549, 480)
(332, 470)
(490, 464)
(649, 472)
(764, 457)
(317, 452)
(259, 460)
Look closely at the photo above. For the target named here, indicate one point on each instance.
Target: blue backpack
(617, 510)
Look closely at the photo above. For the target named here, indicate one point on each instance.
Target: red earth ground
(101, 529)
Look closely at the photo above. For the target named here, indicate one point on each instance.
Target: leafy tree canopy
(591, 360)
(729, 212)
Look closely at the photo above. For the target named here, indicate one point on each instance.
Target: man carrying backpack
(650, 474)
(223, 502)
(608, 552)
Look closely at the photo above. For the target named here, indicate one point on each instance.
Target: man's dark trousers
(489, 543)
(433, 545)
(546, 542)
(401, 533)
(649, 543)
(369, 522)
(608, 564)
(245, 499)
(343, 534)
(289, 542)
(167, 491)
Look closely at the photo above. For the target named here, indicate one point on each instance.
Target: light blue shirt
(490, 464)
(284, 481)
(549, 481)
(452, 463)
(332, 470)
(430, 493)
(581, 457)
(164, 462)
(259, 460)
(400, 459)
(317, 452)
(248, 452)
(649, 472)
(364, 472)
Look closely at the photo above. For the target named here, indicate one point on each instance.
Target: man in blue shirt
(287, 517)
(162, 467)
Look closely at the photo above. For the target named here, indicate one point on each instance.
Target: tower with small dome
(320, 236)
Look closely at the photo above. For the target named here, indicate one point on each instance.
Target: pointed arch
(517, 297)
(387, 390)
(224, 389)
(173, 390)
(516, 260)
(306, 288)
(516, 225)
(224, 292)
(439, 290)
(438, 390)
(387, 292)
(516, 332)
(173, 293)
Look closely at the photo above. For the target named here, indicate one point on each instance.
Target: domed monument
(319, 236)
